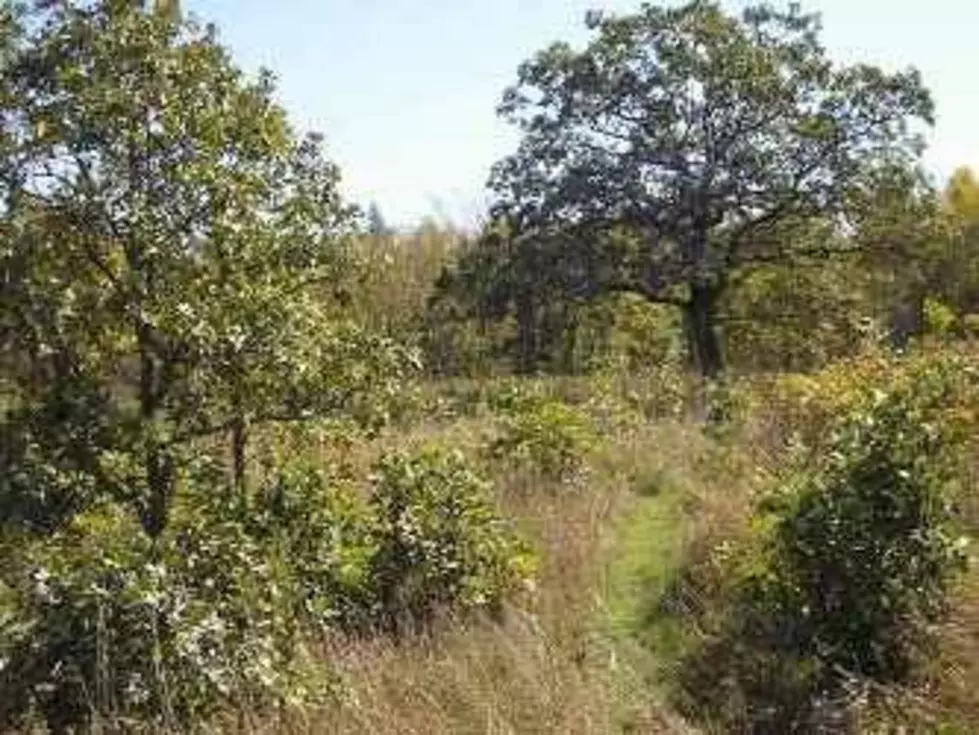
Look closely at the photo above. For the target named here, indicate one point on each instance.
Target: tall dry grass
(548, 664)
(553, 662)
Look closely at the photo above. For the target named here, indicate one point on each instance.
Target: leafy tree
(962, 194)
(961, 205)
(558, 325)
(169, 254)
(919, 246)
(675, 149)
(376, 224)
(496, 276)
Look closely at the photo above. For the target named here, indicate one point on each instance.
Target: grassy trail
(645, 549)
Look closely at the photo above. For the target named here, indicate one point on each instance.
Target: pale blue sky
(405, 90)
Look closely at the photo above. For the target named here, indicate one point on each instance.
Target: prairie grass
(556, 660)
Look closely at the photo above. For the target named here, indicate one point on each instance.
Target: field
(679, 434)
(594, 645)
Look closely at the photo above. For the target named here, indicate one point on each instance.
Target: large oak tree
(698, 139)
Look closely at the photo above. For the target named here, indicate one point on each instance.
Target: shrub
(804, 409)
(101, 625)
(863, 549)
(323, 531)
(514, 395)
(439, 543)
(549, 437)
(849, 568)
(106, 627)
(970, 326)
(939, 319)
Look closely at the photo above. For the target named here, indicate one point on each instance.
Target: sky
(405, 91)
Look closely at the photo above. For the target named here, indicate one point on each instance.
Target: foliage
(439, 543)
(548, 436)
(795, 318)
(970, 325)
(496, 304)
(850, 566)
(174, 265)
(395, 276)
(801, 410)
(682, 144)
(957, 278)
(865, 542)
(170, 258)
(108, 627)
(102, 625)
(183, 285)
(316, 523)
(940, 321)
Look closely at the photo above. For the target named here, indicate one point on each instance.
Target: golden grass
(549, 665)
(564, 658)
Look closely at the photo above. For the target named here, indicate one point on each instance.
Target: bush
(105, 627)
(100, 625)
(852, 568)
(548, 437)
(940, 320)
(323, 531)
(863, 548)
(439, 543)
(970, 326)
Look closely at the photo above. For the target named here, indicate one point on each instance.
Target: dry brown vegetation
(551, 663)
(627, 569)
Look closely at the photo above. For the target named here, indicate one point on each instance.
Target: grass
(592, 648)
(563, 658)
(649, 548)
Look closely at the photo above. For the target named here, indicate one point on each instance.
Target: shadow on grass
(663, 628)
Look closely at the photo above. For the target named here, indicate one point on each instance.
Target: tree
(962, 195)
(680, 144)
(961, 205)
(170, 248)
(376, 224)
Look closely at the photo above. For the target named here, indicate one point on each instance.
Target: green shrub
(550, 437)
(100, 625)
(513, 395)
(939, 319)
(864, 548)
(106, 627)
(323, 530)
(439, 543)
(970, 326)
(657, 392)
(848, 569)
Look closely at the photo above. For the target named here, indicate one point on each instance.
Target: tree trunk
(907, 320)
(527, 335)
(239, 441)
(158, 462)
(701, 318)
(569, 343)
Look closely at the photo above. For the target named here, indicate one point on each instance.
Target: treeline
(477, 306)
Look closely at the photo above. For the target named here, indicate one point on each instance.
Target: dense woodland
(682, 438)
